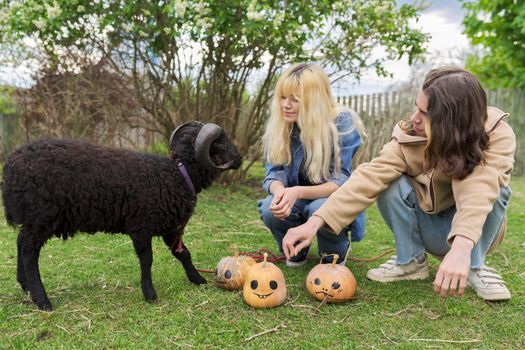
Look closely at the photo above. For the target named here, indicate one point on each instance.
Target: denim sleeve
(349, 141)
(274, 173)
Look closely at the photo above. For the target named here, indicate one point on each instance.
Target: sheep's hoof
(45, 306)
(150, 296)
(197, 279)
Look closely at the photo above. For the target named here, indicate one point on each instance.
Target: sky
(442, 20)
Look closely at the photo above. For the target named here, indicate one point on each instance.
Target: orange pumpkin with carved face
(231, 271)
(264, 286)
(332, 282)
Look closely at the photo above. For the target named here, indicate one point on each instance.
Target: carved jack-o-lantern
(332, 282)
(264, 286)
(231, 270)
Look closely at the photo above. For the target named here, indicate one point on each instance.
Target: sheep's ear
(208, 133)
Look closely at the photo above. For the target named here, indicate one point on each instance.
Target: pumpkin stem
(334, 261)
(265, 255)
(234, 248)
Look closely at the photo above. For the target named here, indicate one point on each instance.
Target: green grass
(94, 285)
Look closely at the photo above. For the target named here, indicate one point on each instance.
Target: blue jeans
(416, 231)
(327, 241)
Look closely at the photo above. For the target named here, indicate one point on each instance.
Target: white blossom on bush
(199, 7)
(278, 19)
(108, 29)
(180, 8)
(53, 11)
(204, 22)
(127, 27)
(15, 5)
(40, 23)
(65, 33)
(252, 14)
(345, 4)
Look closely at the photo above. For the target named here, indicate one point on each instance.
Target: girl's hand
(453, 270)
(283, 202)
(302, 235)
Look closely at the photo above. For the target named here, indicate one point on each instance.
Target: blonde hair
(317, 111)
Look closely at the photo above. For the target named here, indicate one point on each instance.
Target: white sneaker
(291, 263)
(298, 263)
(487, 284)
(391, 271)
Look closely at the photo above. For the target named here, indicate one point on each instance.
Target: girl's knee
(264, 208)
(398, 190)
(267, 216)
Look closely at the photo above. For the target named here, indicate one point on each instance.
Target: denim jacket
(288, 174)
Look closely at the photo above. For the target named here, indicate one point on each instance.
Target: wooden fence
(380, 112)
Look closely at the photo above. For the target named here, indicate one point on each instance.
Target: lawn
(94, 285)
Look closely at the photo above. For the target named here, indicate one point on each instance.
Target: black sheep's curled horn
(182, 126)
(208, 133)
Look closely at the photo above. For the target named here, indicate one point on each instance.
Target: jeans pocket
(409, 196)
(504, 196)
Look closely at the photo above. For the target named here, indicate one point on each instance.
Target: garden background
(126, 73)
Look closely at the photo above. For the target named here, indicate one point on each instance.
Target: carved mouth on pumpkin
(263, 296)
(325, 294)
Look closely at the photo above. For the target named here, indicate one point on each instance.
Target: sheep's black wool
(60, 187)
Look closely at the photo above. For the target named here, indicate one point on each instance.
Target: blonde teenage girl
(309, 145)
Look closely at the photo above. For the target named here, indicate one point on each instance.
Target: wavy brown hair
(457, 111)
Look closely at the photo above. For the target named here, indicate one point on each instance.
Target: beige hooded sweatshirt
(474, 196)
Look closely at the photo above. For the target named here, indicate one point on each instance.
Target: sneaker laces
(487, 275)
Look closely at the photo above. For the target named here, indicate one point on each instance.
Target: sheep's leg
(185, 258)
(145, 254)
(30, 250)
(191, 272)
(20, 271)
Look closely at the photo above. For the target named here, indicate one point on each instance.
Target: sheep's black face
(212, 148)
(223, 151)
